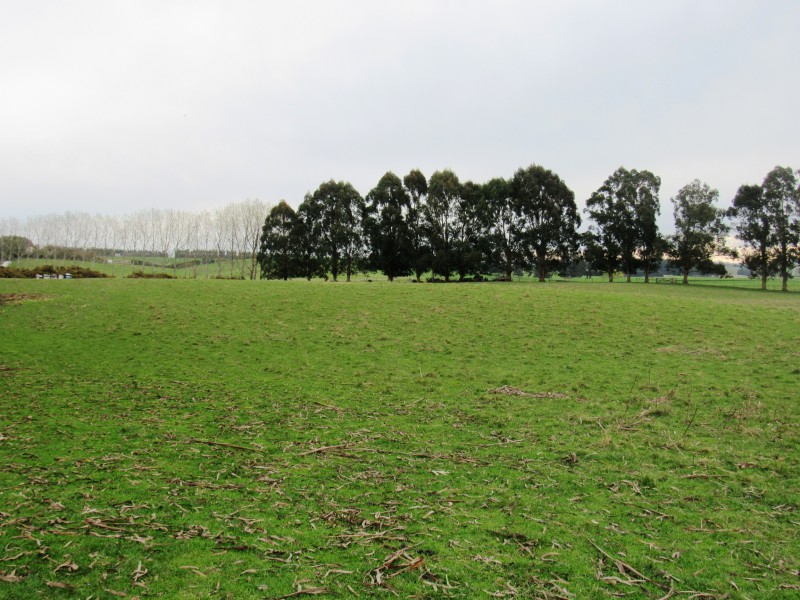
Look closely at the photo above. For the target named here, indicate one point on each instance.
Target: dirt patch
(508, 390)
(18, 298)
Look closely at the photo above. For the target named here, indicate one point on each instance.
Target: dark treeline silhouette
(528, 224)
(415, 225)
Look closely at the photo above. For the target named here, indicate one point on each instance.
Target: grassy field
(227, 269)
(236, 439)
(124, 266)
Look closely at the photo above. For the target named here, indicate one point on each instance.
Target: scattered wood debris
(508, 390)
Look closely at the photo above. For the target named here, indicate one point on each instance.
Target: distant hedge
(143, 275)
(75, 272)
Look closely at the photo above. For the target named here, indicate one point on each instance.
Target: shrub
(75, 271)
(143, 275)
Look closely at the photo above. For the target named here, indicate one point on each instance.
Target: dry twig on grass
(310, 591)
(625, 568)
(324, 449)
(222, 444)
(508, 390)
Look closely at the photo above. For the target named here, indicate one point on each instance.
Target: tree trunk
(764, 279)
(686, 277)
(627, 277)
(785, 284)
(610, 276)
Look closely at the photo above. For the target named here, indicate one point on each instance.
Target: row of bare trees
(222, 242)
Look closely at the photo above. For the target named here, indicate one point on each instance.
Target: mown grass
(219, 439)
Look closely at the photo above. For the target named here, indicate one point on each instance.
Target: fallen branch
(316, 591)
(324, 449)
(222, 444)
(623, 566)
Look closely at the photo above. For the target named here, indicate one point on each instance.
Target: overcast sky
(110, 106)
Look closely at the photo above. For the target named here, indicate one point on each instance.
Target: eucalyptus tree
(652, 243)
(338, 211)
(783, 198)
(503, 245)
(275, 255)
(386, 226)
(624, 210)
(545, 221)
(767, 219)
(752, 220)
(418, 247)
(440, 214)
(700, 229)
(307, 253)
(469, 235)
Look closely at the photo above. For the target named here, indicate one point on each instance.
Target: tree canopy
(699, 229)
(767, 219)
(545, 219)
(387, 227)
(625, 233)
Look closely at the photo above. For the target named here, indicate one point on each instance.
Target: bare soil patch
(18, 298)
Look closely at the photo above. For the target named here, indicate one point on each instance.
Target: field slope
(225, 439)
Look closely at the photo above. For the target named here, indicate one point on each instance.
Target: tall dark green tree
(700, 229)
(753, 223)
(624, 210)
(308, 255)
(469, 231)
(276, 252)
(783, 198)
(503, 245)
(546, 219)
(439, 214)
(652, 243)
(339, 211)
(419, 249)
(386, 227)
(600, 252)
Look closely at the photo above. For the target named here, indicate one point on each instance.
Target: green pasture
(253, 439)
(225, 268)
(124, 266)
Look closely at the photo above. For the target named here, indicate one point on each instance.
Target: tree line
(528, 223)
(414, 225)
